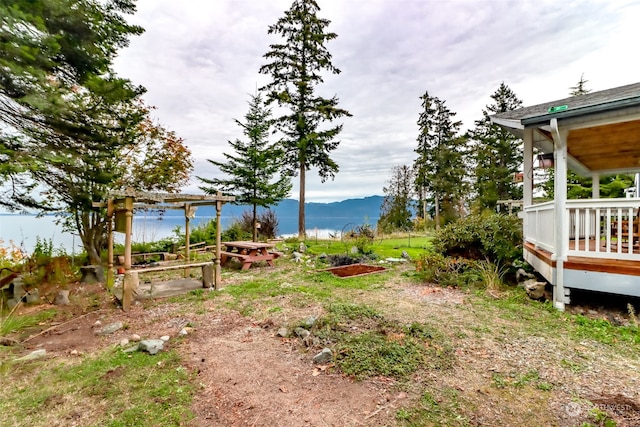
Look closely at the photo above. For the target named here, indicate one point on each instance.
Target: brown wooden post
(218, 278)
(110, 276)
(127, 287)
(187, 240)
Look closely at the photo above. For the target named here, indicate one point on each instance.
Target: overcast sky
(199, 60)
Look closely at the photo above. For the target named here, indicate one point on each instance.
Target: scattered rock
(6, 341)
(12, 303)
(151, 346)
(165, 338)
(301, 332)
(405, 255)
(97, 324)
(324, 356)
(302, 248)
(535, 289)
(36, 354)
(521, 275)
(297, 256)
(111, 328)
(62, 298)
(354, 250)
(135, 338)
(310, 321)
(282, 332)
(33, 297)
(131, 349)
(323, 255)
(92, 274)
(183, 332)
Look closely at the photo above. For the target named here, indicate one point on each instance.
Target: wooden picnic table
(248, 253)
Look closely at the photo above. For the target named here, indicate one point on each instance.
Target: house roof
(603, 128)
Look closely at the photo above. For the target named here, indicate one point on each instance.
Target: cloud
(199, 61)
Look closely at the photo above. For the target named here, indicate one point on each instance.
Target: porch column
(527, 182)
(560, 205)
(595, 185)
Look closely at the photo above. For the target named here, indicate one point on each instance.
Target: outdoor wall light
(545, 161)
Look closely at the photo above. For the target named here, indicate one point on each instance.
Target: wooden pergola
(120, 208)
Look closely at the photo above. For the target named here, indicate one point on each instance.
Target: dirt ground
(248, 376)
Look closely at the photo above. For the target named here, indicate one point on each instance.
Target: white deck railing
(598, 228)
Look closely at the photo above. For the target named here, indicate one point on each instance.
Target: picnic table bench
(248, 253)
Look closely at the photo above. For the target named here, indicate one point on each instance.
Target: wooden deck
(602, 265)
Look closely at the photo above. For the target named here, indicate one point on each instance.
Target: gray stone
(301, 332)
(92, 274)
(151, 346)
(324, 356)
(521, 275)
(62, 298)
(282, 332)
(323, 255)
(18, 289)
(131, 349)
(110, 328)
(12, 303)
(33, 297)
(297, 256)
(135, 337)
(165, 338)
(124, 342)
(302, 248)
(405, 255)
(36, 354)
(534, 289)
(310, 321)
(207, 276)
(354, 250)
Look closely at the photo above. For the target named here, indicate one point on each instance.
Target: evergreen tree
(441, 162)
(296, 68)
(397, 206)
(426, 124)
(497, 153)
(54, 55)
(253, 171)
(580, 87)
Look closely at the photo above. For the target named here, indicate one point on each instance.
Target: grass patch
(12, 323)
(438, 407)
(113, 389)
(368, 345)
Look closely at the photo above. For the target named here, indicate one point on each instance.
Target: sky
(199, 61)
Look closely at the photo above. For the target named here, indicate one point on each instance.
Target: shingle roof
(575, 103)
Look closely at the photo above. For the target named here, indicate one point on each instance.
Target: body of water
(24, 230)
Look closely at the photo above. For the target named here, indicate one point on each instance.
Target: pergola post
(110, 275)
(218, 278)
(130, 278)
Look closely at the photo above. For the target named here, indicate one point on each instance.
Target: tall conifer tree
(441, 170)
(296, 68)
(253, 172)
(497, 153)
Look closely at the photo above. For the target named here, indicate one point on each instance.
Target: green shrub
(447, 271)
(493, 237)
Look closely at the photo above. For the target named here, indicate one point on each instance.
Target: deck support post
(561, 217)
(595, 185)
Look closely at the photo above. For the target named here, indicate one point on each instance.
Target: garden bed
(354, 270)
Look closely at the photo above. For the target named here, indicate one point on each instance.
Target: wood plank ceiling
(607, 148)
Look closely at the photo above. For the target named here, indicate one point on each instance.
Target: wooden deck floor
(587, 263)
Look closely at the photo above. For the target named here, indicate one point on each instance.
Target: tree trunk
(255, 223)
(302, 231)
(437, 206)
